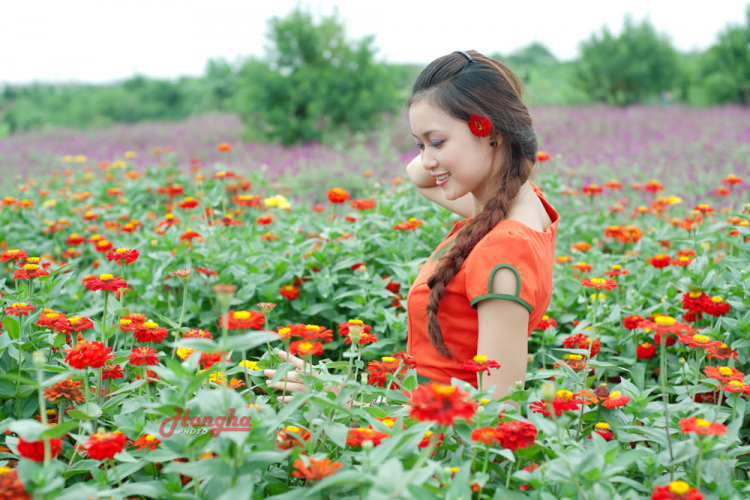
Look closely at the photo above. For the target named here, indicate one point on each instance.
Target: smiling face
(448, 146)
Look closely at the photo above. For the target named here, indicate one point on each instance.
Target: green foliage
(313, 79)
(725, 67)
(630, 68)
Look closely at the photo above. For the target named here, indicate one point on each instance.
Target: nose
(428, 161)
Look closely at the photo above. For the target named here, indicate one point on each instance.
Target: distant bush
(629, 68)
(312, 79)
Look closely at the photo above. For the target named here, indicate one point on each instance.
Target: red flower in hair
(480, 125)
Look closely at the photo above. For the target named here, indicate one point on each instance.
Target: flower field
(150, 298)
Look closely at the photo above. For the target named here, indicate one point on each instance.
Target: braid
(467, 238)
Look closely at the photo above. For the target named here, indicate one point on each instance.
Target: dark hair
(487, 88)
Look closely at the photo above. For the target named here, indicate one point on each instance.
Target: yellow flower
(250, 365)
(80, 159)
(129, 154)
(184, 352)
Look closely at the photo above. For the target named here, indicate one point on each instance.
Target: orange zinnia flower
(106, 282)
(241, 320)
(290, 437)
(583, 267)
(317, 469)
(599, 283)
(357, 436)
(225, 146)
(337, 195)
(304, 348)
(17, 255)
(289, 292)
(724, 374)
(68, 390)
(581, 246)
(19, 309)
(616, 400)
(702, 427)
(29, 272)
(592, 190)
(147, 441)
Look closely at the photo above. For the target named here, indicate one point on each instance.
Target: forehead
(424, 117)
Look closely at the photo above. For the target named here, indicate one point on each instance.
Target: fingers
(298, 363)
(292, 376)
(290, 386)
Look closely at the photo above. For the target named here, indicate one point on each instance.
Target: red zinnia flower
(441, 403)
(289, 292)
(646, 351)
(545, 323)
(123, 254)
(702, 427)
(363, 204)
(480, 125)
(542, 156)
(480, 364)
(242, 320)
(357, 436)
(366, 336)
(338, 195)
(188, 203)
(660, 261)
(68, 390)
(88, 353)
(207, 272)
(721, 351)
(615, 400)
(148, 331)
(144, 356)
(317, 470)
(77, 324)
(20, 309)
(106, 282)
(676, 490)
(599, 283)
(34, 450)
(602, 428)
(188, 235)
(716, 307)
(379, 371)
(581, 341)
(112, 371)
(74, 240)
(516, 434)
(592, 190)
(540, 407)
(565, 401)
(29, 272)
(105, 445)
(304, 348)
(583, 267)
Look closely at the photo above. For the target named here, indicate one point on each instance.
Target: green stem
(179, 323)
(698, 467)
(663, 373)
(43, 414)
(721, 398)
(104, 319)
(122, 290)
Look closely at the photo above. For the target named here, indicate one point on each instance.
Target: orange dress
(510, 244)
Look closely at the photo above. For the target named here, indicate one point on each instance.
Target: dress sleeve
(502, 250)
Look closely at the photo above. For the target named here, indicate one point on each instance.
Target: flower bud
(467, 387)
(355, 333)
(682, 361)
(530, 359)
(448, 471)
(519, 385)
(367, 445)
(480, 410)
(548, 390)
(37, 358)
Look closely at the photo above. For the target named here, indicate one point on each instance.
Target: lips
(441, 176)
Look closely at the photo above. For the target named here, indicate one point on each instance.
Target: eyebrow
(427, 133)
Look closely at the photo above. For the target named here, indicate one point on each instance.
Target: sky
(107, 40)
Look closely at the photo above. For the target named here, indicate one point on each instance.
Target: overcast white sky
(105, 40)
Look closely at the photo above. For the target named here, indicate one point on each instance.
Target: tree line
(312, 79)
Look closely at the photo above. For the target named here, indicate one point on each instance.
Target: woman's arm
(503, 336)
(427, 187)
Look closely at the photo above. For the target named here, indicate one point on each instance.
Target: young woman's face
(448, 146)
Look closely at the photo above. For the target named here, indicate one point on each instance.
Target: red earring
(480, 125)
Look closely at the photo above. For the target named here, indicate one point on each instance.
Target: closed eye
(434, 144)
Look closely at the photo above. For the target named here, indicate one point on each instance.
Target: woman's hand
(292, 379)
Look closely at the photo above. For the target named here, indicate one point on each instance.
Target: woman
(488, 284)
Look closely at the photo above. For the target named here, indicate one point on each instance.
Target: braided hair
(482, 86)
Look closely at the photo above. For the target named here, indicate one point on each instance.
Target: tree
(624, 70)
(311, 79)
(725, 67)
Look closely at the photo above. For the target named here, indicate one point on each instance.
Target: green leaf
(250, 340)
(81, 414)
(59, 430)
(10, 325)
